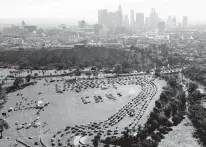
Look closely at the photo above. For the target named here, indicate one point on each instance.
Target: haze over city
(102, 73)
(51, 12)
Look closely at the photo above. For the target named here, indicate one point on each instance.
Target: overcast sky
(73, 10)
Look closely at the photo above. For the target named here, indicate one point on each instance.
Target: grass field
(67, 108)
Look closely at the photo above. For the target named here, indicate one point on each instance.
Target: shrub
(155, 137)
(17, 82)
(167, 111)
(176, 119)
(163, 129)
(156, 110)
(158, 104)
(168, 123)
(154, 124)
(161, 119)
(28, 78)
(160, 135)
(149, 143)
(192, 87)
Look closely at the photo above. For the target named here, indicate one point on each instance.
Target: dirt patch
(181, 136)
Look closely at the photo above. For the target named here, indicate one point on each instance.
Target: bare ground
(181, 136)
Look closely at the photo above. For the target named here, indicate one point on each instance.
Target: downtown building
(139, 21)
(132, 21)
(153, 19)
(119, 16)
(112, 20)
(102, 16)
(126, 21)
(185, 21)
(147, 23)
(171, 22)
(161, 26)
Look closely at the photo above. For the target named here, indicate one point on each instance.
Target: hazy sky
(73, 10)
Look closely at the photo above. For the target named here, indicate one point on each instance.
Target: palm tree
(3, 126)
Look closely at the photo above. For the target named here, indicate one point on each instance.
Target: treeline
(81, 57)
(197, 112)
(196, 109)
(169, 111)
(196, 72)
(87, 56)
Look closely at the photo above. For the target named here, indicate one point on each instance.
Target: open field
(73, 112)
(181, 135)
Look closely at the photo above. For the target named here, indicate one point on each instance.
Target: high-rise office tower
(139, 21)
(147, 23)
(23, 24)
(102, 16)
(132, 22)
(153, 19)
(161, 26)
(169, 22)
(111, 20)
(119, 16)
(126, 20)
(185, 21)
(174, 22)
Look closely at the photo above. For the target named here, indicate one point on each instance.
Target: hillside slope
(82, 57)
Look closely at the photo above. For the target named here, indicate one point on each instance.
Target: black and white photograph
(102, 73)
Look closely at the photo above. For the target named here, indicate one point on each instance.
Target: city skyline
(61, 10)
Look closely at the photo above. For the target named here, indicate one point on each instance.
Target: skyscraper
(153, 19)
(139, 21)
(126, 20)
(147, 23)
(112, 20)
(185, 21)
(174, 22)
(161, 26)
(119, 16)
(132, 22)
(169, 22)
(102, 16)
(23, 24)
